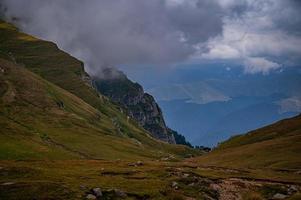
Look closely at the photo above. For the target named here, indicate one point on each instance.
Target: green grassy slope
(53, 126)
(40, 120)
(49, 111)
(45, 59)
(276, 146)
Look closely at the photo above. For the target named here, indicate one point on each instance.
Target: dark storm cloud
(198, 21)
(113, 32)
(288, 16)
(260, 34)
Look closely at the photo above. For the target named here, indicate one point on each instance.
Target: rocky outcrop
(141, 106)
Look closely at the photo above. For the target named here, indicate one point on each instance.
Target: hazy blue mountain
(208, 104)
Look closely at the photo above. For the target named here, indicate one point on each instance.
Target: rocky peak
(141, 106)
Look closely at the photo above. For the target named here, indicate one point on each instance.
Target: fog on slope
(210, 103)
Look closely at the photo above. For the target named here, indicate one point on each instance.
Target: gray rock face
(140, 106)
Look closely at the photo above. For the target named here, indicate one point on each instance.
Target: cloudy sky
(259, 35)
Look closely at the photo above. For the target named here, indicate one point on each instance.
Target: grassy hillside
(59, 139)
(276, 146)
(46, 60)
(40, 120)
(55, 113)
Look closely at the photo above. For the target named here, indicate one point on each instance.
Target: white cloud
(228, 4)
(263, 34)
(255, 38)
(291, 104)
(222, 51)
(257, 65)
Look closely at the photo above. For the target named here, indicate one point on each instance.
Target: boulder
(139, 163)
(174, 185)
(97, 192)
(292, 189)
(279, 196)
(90, 196)
(120, 193)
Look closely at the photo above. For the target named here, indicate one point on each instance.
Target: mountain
(141, 106)
(61, 139)
(49, 108)
(209, 103)
(199, 93)
(276, 146)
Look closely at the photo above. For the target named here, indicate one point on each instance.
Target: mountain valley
(65, 135)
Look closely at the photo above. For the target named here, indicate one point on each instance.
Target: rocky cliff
(140, 106)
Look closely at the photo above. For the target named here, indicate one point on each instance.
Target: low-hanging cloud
(261, 35)
(112, 32)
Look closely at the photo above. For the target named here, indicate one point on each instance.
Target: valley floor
(158, 179)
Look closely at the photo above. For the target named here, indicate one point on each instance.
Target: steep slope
(45, 59)
(140, 105)
(60, 139)
(65, 113)
(40, 120)
(276, 146)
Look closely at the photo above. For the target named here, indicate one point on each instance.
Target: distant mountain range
(199, 93)
(208, 104)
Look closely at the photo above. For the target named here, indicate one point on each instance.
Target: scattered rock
(90, 196)
(191, 184)
(139, 163)
(137, 142)
(60, 104)
(185, 175)
(279, 196)
(120, 193)
(189, 198)
(292, 189)
(97, 192)
(8, 183)
(174, 185)
(165, 159)
(136, 164)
